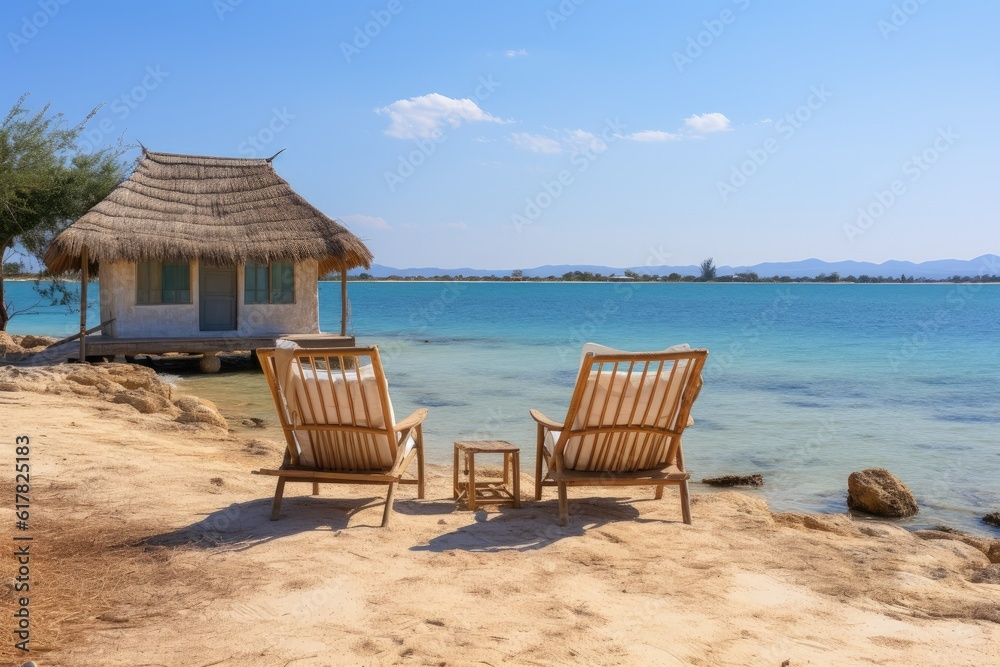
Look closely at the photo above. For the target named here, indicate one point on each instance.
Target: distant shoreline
(721, 280)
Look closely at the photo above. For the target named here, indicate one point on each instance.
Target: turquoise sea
(805, 383)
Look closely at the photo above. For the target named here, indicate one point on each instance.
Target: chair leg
(420, 463)
(659, 492)
(278, 492)
(315, 488)
(563, 505)
(538, 464)
(388, 505)
(685, 502)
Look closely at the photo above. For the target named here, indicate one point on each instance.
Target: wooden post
(84, 279)
(343, 301)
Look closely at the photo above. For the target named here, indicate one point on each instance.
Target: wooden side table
(481, 493)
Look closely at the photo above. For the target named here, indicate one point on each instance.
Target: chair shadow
(244, 525)
(534, 526)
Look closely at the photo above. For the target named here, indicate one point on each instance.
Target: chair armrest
(413, 420)
(545, 421)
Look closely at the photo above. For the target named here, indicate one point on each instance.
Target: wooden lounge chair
(334, 409)
(624, 424)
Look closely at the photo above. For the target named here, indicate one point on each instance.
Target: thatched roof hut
(210, 248)
(219, 210)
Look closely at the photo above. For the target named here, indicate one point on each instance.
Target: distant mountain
(806, 268)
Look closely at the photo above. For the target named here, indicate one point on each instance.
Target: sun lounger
(338, 421)
(624, 424)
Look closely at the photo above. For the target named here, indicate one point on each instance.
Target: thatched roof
(220, 210)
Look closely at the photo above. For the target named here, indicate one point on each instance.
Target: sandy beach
(152, 546)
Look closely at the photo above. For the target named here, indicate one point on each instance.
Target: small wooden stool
(488, 492)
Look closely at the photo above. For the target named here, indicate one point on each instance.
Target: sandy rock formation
(8, 345)
(989, 547)
(755, 480)
(199, 411)
(988, 575)
(35, 343)
(126, 384)
(879, 492)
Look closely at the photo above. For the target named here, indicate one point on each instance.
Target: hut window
(163, 282)
(269, 283)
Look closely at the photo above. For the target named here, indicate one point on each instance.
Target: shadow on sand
(244, 525)
(534, 526)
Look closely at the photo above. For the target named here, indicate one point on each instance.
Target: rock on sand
(879, 492)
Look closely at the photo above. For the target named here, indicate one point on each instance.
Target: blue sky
(512, 134)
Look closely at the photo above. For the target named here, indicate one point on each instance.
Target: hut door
(217, 298)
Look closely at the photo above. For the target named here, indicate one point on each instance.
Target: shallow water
(805, 383)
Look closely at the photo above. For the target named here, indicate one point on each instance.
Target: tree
(46, 181)
(708, 270)
(13, 268)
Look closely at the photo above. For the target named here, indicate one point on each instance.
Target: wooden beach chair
(624, 424)
(339, 426)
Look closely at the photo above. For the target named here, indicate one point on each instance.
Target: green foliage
(46, 182)
(708, 270)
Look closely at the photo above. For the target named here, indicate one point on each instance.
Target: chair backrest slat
(630, 417)
(334, 407)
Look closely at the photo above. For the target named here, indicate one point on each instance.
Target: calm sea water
(805, 383)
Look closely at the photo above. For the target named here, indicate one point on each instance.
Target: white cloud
(707, 122)
(425, 116)
(581, 140)
(519, 53)
(536, 143)
(653, 135)
(366, 221)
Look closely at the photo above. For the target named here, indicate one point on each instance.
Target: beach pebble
(754, 480)
(992, 519)
(877, 491)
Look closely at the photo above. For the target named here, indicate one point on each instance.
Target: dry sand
(152, 546)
